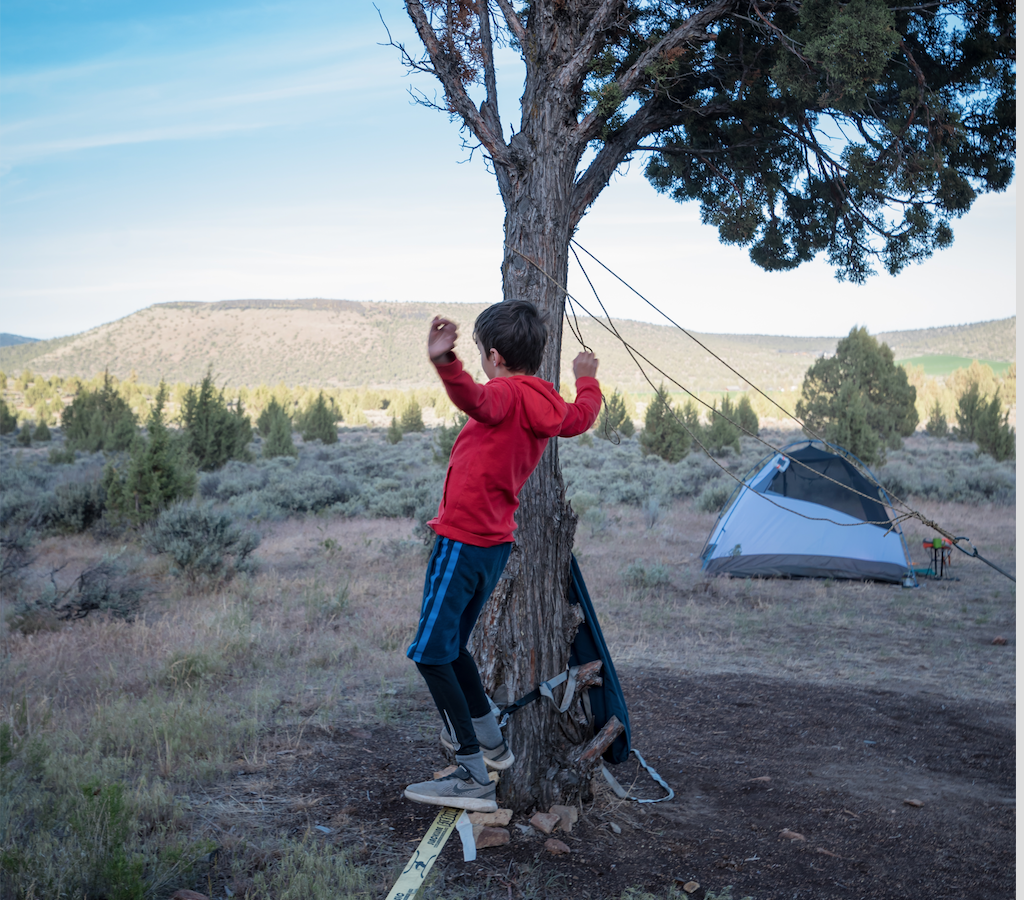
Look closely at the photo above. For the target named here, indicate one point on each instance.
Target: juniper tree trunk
(525, 632)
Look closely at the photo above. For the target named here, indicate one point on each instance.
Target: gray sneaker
(459, 789)
(499, 758)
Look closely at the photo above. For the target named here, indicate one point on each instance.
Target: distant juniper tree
(994, 434)
(215, 432)
(721, 432)
(664, 434)
(614, 418)
(275, 427)
(42, 431)
(394, 432)
(157, 474)
(320, 422)
(859, 398)
(446, 435)
(8, 420)
(746, 417)
(99, 419)
(412, 417)
(937, 425)
(969, 406)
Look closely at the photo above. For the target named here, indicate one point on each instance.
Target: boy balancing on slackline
(511, 419)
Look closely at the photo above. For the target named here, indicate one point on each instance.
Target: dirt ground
(748, 758)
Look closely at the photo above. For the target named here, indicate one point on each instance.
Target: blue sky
(222, 150)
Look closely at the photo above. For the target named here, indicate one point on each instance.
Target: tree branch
(573, 72)
(512, 20)
(693, 29)
(459, 101)
(489, 108)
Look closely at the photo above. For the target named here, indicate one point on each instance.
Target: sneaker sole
(499, 765)
(472, 804)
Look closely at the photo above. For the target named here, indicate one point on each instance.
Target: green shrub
(664, 434)
(746, 418)
(721, 432)
(24, 437)
(61, 456)
(642, 575)
(276, 428)
(8, 420)
(158, 472)
(394, 434)
(445, 436)
(937, 425)
(203, 544)
(77, 506)
(614, 418)
(215, 431)
(993, 433)
(969, 408)
(99, 420)
(714, 496)
(42, 432)
(320, 423)
(412, 418)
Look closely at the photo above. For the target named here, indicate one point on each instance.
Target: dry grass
(203, 686)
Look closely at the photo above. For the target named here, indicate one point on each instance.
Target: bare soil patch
(748, 758)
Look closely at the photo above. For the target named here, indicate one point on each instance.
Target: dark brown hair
(516, 330)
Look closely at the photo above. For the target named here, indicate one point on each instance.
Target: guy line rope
(905, 513)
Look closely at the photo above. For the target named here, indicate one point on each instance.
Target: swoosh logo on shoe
(463, 788)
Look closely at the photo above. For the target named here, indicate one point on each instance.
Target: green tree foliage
(8, 420)
(721, 432)
(276, 428)
(969, 407)
(99, 419)
(746, 418)
(158, 472)
(320, 422)
(664, 434)
(614, 418)
(42, 431)
(394, 434)
(215, 431)
(445, 436)
(24, 437)
(412, 417)
(937, 425)
(859, 398)
(994, 434)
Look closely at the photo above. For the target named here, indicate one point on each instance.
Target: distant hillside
(10, 340)
(348, 344)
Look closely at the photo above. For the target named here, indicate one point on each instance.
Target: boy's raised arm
(583, 413)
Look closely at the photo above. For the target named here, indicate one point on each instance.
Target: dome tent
(808, 511)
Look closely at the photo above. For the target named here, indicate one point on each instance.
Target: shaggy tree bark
(741, 98)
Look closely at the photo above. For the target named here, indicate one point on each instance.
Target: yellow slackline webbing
(415, 873)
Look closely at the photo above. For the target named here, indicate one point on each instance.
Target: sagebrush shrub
(202, 543)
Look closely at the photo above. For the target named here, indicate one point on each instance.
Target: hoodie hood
(543, 409)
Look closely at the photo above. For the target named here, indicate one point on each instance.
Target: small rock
(447, 770)
(761, 778)
(485, 836)
(567, 816)
(691, 886)
(544, 822)
(999, 640)
(500, 817)
(554, 845)
(791, 835)
(910, 802)
(615, 828)
(185, 894)
(525, 829)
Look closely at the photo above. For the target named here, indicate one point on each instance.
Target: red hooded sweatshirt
(510, 422)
